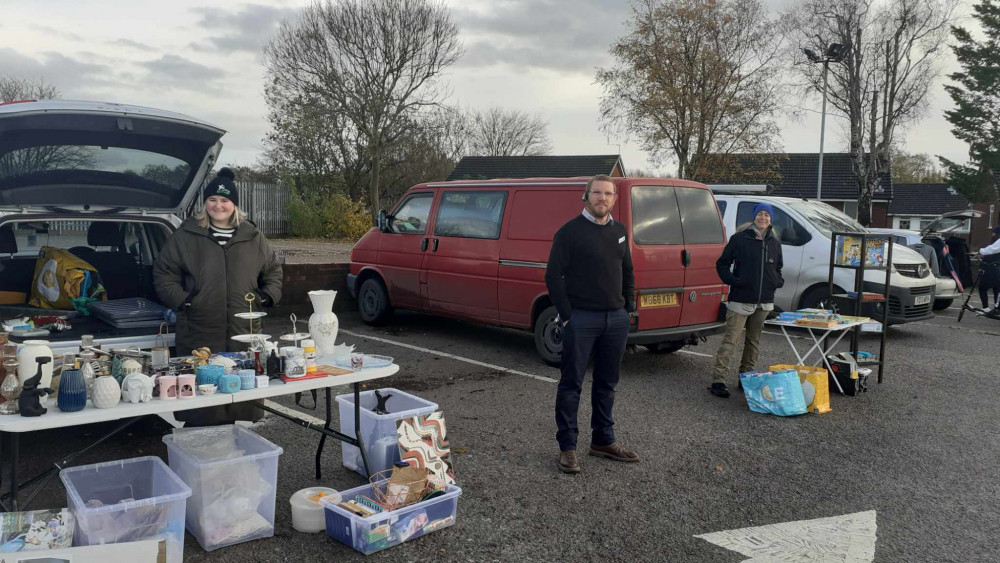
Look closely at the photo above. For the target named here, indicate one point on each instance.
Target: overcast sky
(537, 56)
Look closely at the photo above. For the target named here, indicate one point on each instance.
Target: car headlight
(924, 270)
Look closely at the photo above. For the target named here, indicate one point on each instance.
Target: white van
(805, 228)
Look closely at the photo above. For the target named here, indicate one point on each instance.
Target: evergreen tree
(976, 117)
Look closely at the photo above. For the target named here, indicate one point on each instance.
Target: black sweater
(755, 266)
(590, 268)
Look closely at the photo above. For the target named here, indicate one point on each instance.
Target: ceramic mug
(185, 386)
(168, 386)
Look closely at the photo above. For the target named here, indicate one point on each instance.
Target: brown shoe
(568, 462)
(614, 451)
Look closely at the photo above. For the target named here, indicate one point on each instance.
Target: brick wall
(300, 279)
(880, 215)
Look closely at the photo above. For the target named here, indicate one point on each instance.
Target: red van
(476, 250)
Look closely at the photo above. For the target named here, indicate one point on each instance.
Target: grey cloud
(70, 75)
(56, 32)
(173, 71)
(543, 34)
(131, 44)
(243, 30)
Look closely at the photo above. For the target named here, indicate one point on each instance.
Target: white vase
(323, 323)
(28, 367)
(106, 393)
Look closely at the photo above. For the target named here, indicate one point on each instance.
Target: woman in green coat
(209, 266)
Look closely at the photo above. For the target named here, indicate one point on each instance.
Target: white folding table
(15, 425)
(820, 337)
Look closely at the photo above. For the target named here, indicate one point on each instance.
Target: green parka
(193, 268)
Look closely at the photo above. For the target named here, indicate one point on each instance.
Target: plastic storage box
(378, 431)
(232, 499)
(127, 500)
(380, 531)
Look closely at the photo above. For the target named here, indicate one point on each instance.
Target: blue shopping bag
(778, 392)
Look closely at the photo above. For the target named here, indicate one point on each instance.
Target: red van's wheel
(373, 302)
(548, 337)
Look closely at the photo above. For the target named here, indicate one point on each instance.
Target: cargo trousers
(735, 325)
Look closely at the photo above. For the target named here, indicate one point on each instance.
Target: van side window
(699, 217)
(473, 214)
(722, 207)
(788, 230)
(655, 218)
(411, 216)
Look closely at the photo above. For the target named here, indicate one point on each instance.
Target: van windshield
(825, 218)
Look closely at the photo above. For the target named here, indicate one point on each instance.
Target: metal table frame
(820, 343)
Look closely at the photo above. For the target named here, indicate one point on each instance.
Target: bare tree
(15, 88)
(695, 78)
(507, 132)
(375, 63)
(882, 84)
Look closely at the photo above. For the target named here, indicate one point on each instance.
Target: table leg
(322, 439)
(791, 345)
(357, 429)
(14, 454)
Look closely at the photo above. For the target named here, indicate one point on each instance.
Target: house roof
(926, 199)
(488, 167)
(798, 175)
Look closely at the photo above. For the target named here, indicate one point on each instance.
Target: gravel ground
(919, 449)
(312, 251)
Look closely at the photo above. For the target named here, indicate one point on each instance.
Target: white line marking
(693, 353)
(294, 413)
(845, 539)
(452, 356)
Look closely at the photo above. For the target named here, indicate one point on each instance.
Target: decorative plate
(372, 361)
(249, 316)
(247, 338)
(295, 336)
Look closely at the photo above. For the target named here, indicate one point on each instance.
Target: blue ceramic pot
(248, 377)
(72, 391)
(230, 383)
(209, 374)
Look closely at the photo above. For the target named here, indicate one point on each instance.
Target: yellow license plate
(658, 300)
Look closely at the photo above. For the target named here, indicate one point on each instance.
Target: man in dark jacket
(590, 281)
(751, 266)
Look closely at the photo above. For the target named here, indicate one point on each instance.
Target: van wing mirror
(383, 221)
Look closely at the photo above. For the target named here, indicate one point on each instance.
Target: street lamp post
(836, 53)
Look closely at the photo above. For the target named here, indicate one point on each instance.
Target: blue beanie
(763, 207)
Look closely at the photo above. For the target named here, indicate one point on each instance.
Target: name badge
(621, 240)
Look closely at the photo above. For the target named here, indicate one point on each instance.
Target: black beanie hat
(224, 185)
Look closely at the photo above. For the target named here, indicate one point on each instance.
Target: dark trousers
(603, 334)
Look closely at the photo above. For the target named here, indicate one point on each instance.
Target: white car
(100, 180)
(805, 229)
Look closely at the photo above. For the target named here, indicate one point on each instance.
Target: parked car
(946, 289)
(103, 181)
(805, 228)
(477, 250)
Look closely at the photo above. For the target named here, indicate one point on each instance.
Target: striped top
(222, 236)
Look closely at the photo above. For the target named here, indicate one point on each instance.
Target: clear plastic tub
(378, 431)
(389, 529)
(233, 485)
(127, 500)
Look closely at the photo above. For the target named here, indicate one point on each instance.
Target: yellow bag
(819, 379)
(63, 281)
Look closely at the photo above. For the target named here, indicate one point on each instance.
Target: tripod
(972, 291)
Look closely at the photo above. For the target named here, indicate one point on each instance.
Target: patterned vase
(10, 389)
(72, 391)
(323, 323)
(107, 393)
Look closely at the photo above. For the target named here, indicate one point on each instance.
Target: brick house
(796, 177)
(489, 167)
(914, 206)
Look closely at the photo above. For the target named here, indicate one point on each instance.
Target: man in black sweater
(590, 281)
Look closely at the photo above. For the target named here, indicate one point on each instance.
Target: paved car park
(919, 450)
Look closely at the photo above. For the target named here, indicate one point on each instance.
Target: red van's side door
(657, 255)
(704, 240)
(463, 256)
(400, 252)
(536, 213)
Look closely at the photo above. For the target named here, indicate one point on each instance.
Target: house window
(851, 208)
(904, 223)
